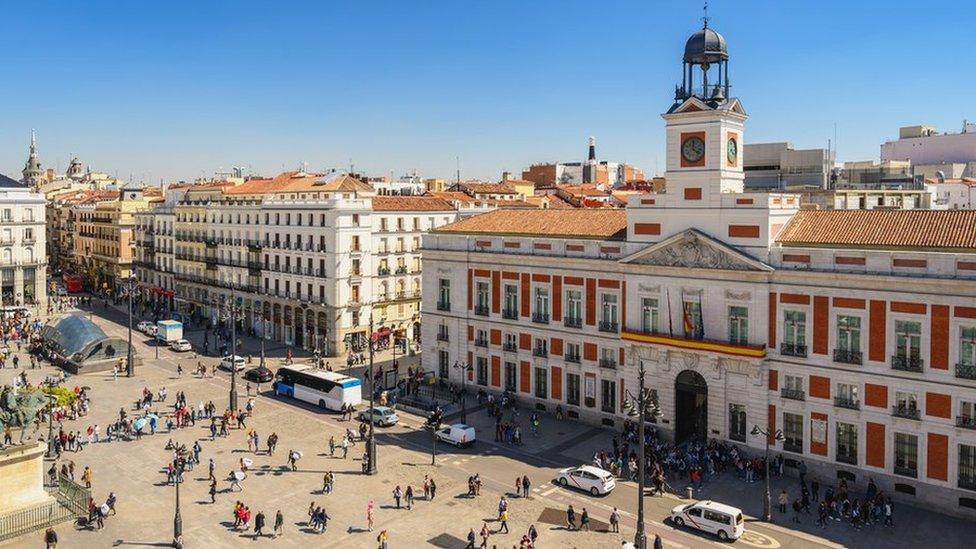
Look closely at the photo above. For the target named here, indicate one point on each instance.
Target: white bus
(327, 390)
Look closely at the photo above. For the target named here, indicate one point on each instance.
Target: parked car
(261, 374)
(144, 326)
(381, 415)
(237, 361)
(181, 345)
(587, 478)
(724, 521)
(458, 434)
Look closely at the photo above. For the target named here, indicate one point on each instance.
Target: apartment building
(308, 258)
(23, 262)
(853, 332)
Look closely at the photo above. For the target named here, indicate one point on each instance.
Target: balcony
(793, 394)
(540, 352)
(907, 363)
(793, 349)
(967, 482)
(845, 356)
(848, 459)
(966, 422)
(678, 342)
(540, 318)
(795, 446)
(481, 342)
(510, 314)
(442, 336)
(966, 371)
(573, 322)
(847, 402)
(481, 310)
(906, 471)
(401, 270)
(608, 326)
(575, 358)
(510, 347)
(608, 363)
(383, 271)
(907, 412)
(443, 305)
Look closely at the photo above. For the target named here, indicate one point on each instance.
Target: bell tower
(704, 124)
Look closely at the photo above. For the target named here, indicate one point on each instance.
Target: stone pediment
(692, 249)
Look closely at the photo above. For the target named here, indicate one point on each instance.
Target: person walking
(332, 446)
(433, 489)
(50, 538)
(397, 494)
(503, 518)
(658, 542)
(784, 499)
(369, 515)
(213, 491)
(409, 496)
(279, 524)
(86, 477)
(259, 524)
(471, 539)
(484, 534)
(518, 486)
(345, 447)
(570, 518)
(384, 539)
(615, 520)
(525, 486)
(426, 488)
(585, 520)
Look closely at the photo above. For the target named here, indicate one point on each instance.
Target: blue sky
(173, 90)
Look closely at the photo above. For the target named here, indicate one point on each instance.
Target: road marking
(547, 492)
(757, 539)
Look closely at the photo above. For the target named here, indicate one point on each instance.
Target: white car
(238, 363)
(382, 416)
(145, 326)
(724, 521)
(587, 478)
(458, 434)
(181, 345)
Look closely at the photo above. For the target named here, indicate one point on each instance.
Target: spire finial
(705, 15)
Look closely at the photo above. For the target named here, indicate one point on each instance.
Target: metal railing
(510, 347)
(540, 352)
(846, 402)
(608, 326)
(793, 349)
(793, 394)
(966, 422)
(481, 310)
(480, 342)
(70, 501)
(907, 363)
(906, 471)
(541, 318)
(966, 371)
(844, 458)
(443, 306)
(510, 314)
(572, 358)
(442, 336)
(573, 322)
(846, 356)
(608, 363)
(906, 412)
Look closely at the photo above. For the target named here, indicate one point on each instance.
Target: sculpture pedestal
(22, 476)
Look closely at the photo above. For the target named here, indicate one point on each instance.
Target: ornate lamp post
(52, 400)
(128, 286)
(778, 436)
(233, 352)
(639, 406)
(177, 518)
(464, 368)
(370, 466)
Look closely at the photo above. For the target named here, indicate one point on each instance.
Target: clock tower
(704, 125)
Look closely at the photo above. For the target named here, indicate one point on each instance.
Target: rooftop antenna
(457, 160)
(352, 167)
(705, 15)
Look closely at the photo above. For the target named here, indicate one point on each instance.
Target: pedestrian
(888, 521)
(570, 518)
(86, 477)
(658, 542)
(409, 496)
(426, 488)
(279, 524)
(525, 486)
(110, 502)
(471, 539)
(585, 520)
(332, 446)
(784, 499)
(369, 515)
(345, 446)
(211, 467)
(384, 539)
(433, 489)
(518, 486)
(397, 494)
(213, 491)
(815, 490)
(796, 511)
(484, 534)
(533, 535)
(615, 520)
(259, 524)
(50, 538)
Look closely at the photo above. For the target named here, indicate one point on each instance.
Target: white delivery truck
(168, 331)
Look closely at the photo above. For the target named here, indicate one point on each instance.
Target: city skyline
(390, 89)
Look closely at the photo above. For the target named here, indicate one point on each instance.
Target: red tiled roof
(410, 204)
(944, 229)
(488, 188)
(575, 223)
(968, 181)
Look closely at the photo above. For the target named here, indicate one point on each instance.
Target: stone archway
(690, 407)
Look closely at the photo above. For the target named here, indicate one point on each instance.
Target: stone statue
(20, 410)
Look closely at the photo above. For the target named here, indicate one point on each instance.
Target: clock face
(693, 149)
(732, 150)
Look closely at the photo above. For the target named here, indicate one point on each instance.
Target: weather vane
(705, 16)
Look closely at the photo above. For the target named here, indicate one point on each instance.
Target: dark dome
(705, 46)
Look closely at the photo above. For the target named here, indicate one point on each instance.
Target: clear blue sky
(176, 90)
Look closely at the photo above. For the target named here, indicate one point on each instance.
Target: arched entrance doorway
(690, 407)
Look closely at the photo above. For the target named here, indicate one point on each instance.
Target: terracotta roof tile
(575, 223)
(488, 188)
(411, 204)
(945, 229)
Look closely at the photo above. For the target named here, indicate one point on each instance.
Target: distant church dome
(76, 170)
(705, 46)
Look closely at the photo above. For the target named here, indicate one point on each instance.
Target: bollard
(690, 492)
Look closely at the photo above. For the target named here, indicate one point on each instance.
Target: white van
(458, 434)
(724, 521)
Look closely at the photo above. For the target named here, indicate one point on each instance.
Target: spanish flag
(689, 325)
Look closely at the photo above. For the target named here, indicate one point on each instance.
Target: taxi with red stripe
(587, 478)
(724, 521)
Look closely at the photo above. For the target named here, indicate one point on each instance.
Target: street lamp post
(177, 518)
(130, 368)
(643, 404)
(233, 353)
(371, 441)
(778, 436)
(50, 427)
(464, 368)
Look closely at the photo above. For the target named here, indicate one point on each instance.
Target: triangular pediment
(693, 249)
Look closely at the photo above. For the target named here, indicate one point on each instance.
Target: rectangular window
(574, 308)
(572, 352)
(355, 243)
(541, 313)
(848, 348)
(906, 455)
(737, 422)
(847, 443)
(691, 320)
(967, 346)
(510, 376)
(794, 333)
(444, 295)
(541, 347)
(908, 338)
(847, 396)
(481, 338)
(482, 293)
(649, 315)
(511, 301)
(443, 364)
(573, 389)
(608, 396)
(482, 370)
(541, 383)
(511, 342)
(738, 325)
(608, 313)
(967, 467)
(906, 405)
(793, 431)
(608, 358)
